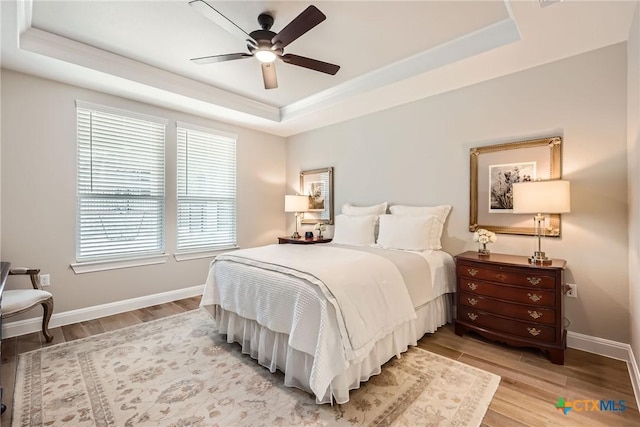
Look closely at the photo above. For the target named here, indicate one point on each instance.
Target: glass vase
(482, 249)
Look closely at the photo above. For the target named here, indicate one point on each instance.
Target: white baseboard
(27, 326)
(601, 346)
(634, 373)
(608, 348)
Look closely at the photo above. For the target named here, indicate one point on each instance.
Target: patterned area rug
(178, 372)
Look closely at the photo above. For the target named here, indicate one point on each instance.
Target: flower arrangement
(483, 237)
(320, 227)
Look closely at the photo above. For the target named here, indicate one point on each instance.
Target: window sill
(115, 264)
(187, 256)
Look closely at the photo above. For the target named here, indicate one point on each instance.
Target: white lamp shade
(296, 203)
(544, 197)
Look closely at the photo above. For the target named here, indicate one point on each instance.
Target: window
(206, 189)
(120, 183)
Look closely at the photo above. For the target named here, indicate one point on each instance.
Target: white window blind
(120, 183)
(206, 189)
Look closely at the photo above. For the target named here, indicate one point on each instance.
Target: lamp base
(295, 235)
(539, 258)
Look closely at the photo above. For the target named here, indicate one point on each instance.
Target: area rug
(177, 371)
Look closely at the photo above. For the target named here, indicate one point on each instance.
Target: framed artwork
(493, 171)
(501, 179)
(318, 185)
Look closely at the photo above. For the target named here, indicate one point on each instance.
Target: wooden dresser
(507, 299)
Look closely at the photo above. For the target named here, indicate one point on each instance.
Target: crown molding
(53, 46)
(491, 37)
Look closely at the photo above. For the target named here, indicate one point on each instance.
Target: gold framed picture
(493, 171)
(318, 185)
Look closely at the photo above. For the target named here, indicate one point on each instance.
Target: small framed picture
(317, 184)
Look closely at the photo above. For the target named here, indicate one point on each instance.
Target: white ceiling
(390, 52)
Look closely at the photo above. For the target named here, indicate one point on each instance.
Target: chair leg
(47, 305)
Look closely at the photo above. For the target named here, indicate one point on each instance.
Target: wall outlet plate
(572, 290)
(545, 3)
(45, 280)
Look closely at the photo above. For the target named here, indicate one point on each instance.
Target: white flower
(484, 236)
(320, 226)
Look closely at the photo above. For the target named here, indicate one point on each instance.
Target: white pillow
(349, 209)
(354, 230)
(408, 232)
(440, 212)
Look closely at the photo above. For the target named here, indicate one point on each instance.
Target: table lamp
(297, 204)
(540, 198)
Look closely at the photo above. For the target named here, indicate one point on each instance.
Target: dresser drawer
(511, 293)
(514, 327)
(534, 279)
(516, 311)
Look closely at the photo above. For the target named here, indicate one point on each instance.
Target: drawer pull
(534, 280)
(472, 316)
(472, 301)
(534, 331)
(501, 276)
(472, 272)
(535, 314)
(472, 286)
(534, 297)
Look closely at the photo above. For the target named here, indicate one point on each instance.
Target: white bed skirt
(271, 349)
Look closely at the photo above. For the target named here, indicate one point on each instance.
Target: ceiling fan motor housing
(263, 37)
(265, 20)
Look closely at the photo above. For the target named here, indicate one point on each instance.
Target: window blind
(120, 188)
(206, 189)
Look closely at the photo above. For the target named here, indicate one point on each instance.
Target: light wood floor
(528, 391)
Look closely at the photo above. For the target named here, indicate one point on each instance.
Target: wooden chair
(17, 301)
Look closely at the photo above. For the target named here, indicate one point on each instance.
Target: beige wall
(633, 138)
(415, 154)
(418, 154)
(38, 192)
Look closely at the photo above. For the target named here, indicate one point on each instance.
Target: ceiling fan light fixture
(265, 55)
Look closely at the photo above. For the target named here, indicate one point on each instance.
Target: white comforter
(358, 298)
(367, 291)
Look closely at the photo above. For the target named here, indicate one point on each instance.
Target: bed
(330, 315)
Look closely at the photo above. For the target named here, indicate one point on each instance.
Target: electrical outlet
(45, 280)
(572, 290)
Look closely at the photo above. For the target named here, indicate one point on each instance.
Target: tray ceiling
(390, 52)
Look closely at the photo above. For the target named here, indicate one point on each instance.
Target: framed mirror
(493, 170)
(318, 185)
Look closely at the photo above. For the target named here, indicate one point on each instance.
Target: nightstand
(505, 298)
(303, 241)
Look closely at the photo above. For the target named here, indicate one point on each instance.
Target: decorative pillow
(349, 209)
(440, 212)
(354, 230)
(408, 232)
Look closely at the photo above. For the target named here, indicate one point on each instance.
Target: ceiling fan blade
(312, 64)
(218, 18)
(309, 18)
(220, 58)
(269, 75)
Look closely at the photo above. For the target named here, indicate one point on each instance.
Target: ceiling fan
(266, 45)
